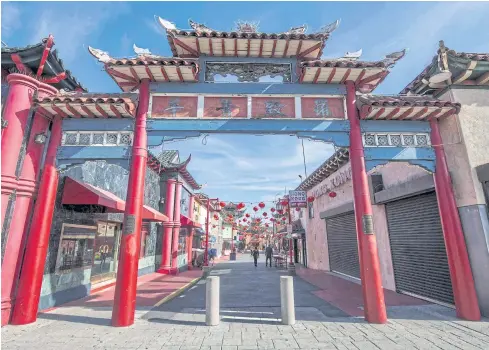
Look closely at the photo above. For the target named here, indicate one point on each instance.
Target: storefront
(410, 241)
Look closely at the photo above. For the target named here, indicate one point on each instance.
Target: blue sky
(239, 167)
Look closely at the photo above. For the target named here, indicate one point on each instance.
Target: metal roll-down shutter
(418, 248)
(342, 244)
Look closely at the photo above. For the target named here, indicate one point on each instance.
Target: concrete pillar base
(168, 271)
(287, 305)
(212, 301)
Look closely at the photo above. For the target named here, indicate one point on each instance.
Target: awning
(186, 221)
(80, 193)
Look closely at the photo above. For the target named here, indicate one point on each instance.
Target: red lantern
(332, 194)
(272, 210)
(216, 217)
(284, 202)
(255, 208)
(280, 211)
(261, 205)
(297, 209)
(244, 220)
(283, 219)
(213, 226)
(247, 215)
(240, 206)
(265, 214)
(222, 204)
(258, 220)
(266, 225)
(310, 199)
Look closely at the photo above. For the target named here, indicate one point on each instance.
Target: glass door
(106, 252)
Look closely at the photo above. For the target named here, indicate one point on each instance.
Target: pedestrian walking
(256, 254)
(268, 254)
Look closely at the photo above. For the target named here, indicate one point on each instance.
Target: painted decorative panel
(322, 107)
(273, 107)
(396, 140)
(225, 107)
(174, 107)
(97, 138)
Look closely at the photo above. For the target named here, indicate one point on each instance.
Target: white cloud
(250, 168)
(74, 28)
(126, 44)
(10, 19)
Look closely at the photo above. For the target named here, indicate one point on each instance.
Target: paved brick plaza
(250, 311)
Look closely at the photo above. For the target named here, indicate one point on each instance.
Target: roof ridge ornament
(199, 28)
(101, 56)
(247, 26)
(392, 58)
(330, 28)
(167, 25)
(353, 56)
(297, 30)
(141, 52)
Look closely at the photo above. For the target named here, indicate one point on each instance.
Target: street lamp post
(290, 239)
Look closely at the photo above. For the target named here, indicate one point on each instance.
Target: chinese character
(274, 109)
(226, 108)
(321, 108)
(173, 107)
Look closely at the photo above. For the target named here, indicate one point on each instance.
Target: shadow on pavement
(76, 319)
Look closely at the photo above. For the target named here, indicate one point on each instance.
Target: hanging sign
(289, 229)
(298, 199)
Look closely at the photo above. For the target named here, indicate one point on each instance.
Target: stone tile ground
(250, 312)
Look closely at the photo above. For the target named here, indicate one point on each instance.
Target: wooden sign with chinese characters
(174, 107)
(225, 107)
(323, 107)
(273, 107)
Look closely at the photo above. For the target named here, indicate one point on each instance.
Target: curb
(178, 292)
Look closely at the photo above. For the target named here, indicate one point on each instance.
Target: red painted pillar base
(189, 248)
(373, 293)
(127, 273)
(463, 285)
(165, 267)
(176, 226)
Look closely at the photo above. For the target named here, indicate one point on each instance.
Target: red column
(191, 234)
(127, 273)
(458, 260)
(26, 189)
(189, 248)
(30, 281)
(165, 266)
(16, 113)
(373, 293)
(176, 227)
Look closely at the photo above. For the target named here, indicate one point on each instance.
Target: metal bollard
(287, 300)
(212, 301)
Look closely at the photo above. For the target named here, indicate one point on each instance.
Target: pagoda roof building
(40, 62)
(169, 161)
(450, 68)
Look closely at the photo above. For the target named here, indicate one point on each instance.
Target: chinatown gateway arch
(279, 86)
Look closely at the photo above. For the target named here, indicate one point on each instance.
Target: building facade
(406, 217)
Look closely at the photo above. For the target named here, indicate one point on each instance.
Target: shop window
(311, 211)
(182, 241)
(76, 248)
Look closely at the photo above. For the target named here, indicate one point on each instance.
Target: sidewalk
(346, 295)
(250, 318)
